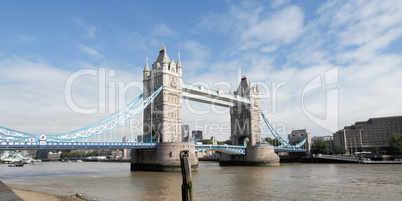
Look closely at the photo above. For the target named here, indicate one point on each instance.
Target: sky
(320, 65)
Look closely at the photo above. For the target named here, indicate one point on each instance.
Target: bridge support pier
(255, 156)
(164, 158)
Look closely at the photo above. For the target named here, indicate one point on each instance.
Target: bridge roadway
(121, 145)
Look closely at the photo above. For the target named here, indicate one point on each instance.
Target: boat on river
(16, 164)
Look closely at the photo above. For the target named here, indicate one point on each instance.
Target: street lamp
(361, 139)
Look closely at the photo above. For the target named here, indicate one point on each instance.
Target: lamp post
(152, 107)
(361, 139)
(351, 146)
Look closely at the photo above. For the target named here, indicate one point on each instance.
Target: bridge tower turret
(246, 118)
(162, 118)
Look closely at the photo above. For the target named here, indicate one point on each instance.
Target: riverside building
(364, 135)
(299, 135)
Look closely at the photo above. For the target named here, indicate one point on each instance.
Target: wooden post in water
(186, 187)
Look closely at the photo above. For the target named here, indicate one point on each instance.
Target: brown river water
(297, 181)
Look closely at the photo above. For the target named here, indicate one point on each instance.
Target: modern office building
(139, 138)
(197, 136)
(185, 130)
(364, 135)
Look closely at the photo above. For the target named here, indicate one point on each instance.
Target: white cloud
(90, 30)
(89, 51)
(281, 43)
(239, 17)
(252, 26)
(35, 96)
(194, 56)
(278, 3)
(149, 40)
(133, 40)
(362, 32)
(269, 48)
(354, 36)
(361, 22)
(282, 27)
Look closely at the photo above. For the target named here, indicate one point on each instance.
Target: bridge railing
(232, 149)
(73, 145)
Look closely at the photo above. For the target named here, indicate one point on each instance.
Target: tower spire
(162, 48)
(178, 61)
(163, 58)
(258, 88)
(146, 68)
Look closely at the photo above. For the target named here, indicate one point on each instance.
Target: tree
(339, 150)
(224, 142)
(207, 141)
(78, 154)
(268, 139)
(395, 143)
(320, 147)
(63, 155)
(271, 141)
(375, 150)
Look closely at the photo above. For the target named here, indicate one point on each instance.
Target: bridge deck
(120, 145)
(74, 145)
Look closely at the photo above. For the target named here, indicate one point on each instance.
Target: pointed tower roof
(244, 83)
(146, 68)
(178, 61)
(243, 86)
(163, 57)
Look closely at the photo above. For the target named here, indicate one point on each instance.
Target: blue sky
(272, 42)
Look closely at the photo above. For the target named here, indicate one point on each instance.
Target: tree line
(321, 147)
(395, 146)
(78, 154)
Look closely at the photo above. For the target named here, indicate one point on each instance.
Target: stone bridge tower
(162, 119)
(246, 118)
(163, 116)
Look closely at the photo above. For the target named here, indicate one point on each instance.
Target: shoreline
(29, 195)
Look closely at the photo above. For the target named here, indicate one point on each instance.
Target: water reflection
(114, 181)
(157, 185)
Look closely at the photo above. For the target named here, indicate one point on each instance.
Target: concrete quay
(322, 158)
(7, 194)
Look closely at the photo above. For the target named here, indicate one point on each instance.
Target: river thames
(297, 181)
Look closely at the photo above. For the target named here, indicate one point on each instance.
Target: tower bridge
(163, 118)
(161, 105)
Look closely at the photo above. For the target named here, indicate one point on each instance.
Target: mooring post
(186, 187)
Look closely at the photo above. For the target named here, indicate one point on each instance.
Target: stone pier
(255, 156)
(165, 158)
